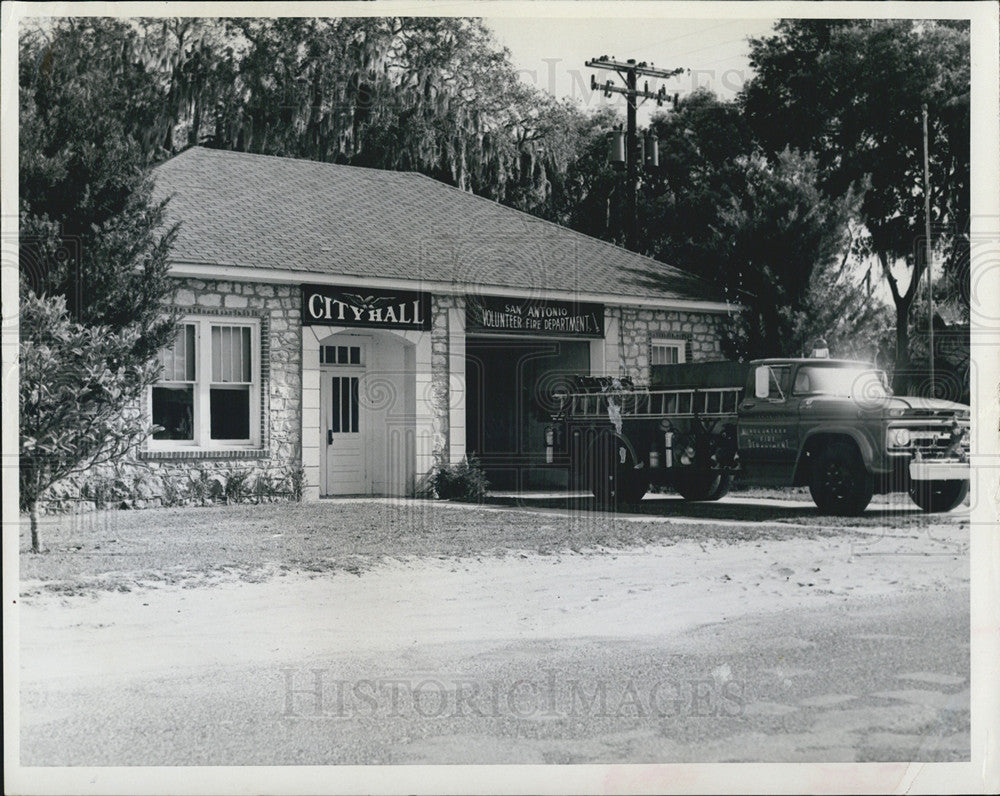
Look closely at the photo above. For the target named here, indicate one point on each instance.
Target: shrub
(173, 494)
(464, 481)
(201, 487)
(264, 488)
(105, 490)
(236, 486)
(295, 478)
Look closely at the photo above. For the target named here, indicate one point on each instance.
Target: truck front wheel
(935, 496)
(702, 485)
(840, 484)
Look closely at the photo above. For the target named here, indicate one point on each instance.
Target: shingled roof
(264, 212)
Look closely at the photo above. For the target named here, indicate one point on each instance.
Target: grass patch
(118, 550)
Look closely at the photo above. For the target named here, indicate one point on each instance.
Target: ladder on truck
(654, 403)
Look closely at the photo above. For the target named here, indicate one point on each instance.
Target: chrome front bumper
(939, 471)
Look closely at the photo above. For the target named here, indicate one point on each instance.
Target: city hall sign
(533, 316)
(324, 305)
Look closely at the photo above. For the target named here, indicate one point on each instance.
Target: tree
(840, 307)
(702, 146)
(759, 228)
(766, 246)
(589, 198)
(93, 253)
(77, 389)
(852, 92)
(88, 231)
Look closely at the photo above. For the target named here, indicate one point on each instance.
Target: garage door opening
(506, 413)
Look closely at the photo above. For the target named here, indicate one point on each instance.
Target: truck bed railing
(654, 403)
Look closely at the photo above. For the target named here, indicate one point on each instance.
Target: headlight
(899, 437)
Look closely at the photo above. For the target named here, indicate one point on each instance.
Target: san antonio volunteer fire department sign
(325, 305)
(533, 316)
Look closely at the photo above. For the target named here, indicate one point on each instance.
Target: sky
(551, 52)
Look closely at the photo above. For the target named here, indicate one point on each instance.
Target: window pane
(230, 412)
(216, 353)
(345, 405)
(178, 359)
(173, 408)
(342, 355)
(355, 355)
(665, 355)
(245, 349)
(231, 354)
(335, 420)
(354, 404)
(189, 357)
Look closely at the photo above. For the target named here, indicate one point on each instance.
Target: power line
(629, 71)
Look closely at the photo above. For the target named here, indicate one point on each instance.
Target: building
(368, 324)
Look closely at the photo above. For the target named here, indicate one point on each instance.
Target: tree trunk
(903, 301)
(33, 513)
(903, 333)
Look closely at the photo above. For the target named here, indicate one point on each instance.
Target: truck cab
(835, 426)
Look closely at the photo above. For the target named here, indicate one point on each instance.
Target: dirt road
(703, 650)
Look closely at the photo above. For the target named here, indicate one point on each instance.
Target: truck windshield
(847, 382)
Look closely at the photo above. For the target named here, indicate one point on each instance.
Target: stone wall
(156, 476)
(701, 332)
(441, 331)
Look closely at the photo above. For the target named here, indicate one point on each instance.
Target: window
(345, 405)
(340, 355)
(173, 396)
(666, 352)
(209, 388)
(778, 381)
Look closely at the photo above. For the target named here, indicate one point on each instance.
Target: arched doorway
(366, 413)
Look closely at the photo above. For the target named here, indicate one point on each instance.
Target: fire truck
(830, 424)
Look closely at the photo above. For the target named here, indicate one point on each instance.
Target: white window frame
(202, 414)
(668, 342)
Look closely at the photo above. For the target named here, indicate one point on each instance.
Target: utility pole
(629, 72)
(928, 255)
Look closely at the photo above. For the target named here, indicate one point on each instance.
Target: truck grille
(949, 441)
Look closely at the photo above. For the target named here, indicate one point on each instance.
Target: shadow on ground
(877, 514)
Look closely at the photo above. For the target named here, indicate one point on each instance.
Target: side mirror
(762, 381)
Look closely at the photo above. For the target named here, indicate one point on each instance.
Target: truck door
(768, 430)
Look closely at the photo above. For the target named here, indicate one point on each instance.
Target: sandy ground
(654, 591)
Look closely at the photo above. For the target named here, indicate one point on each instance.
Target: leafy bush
(173, 494)
(465, 481)
(295, 479)
(264, 488)
(200, 487)
(237, 486)
(105, 490)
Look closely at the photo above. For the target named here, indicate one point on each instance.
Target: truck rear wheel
(702, 485)
(936, 496)
(614, 475)
(839, 483)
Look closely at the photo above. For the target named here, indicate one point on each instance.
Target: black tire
(613, 481)
(633, 485)
(839, 483)
(937, 496)
(701, 485)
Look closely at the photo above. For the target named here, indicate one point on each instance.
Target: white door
(344, 419)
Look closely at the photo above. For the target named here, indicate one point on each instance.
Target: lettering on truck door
(768, 429)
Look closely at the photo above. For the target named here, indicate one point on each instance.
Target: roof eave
(233, 272)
